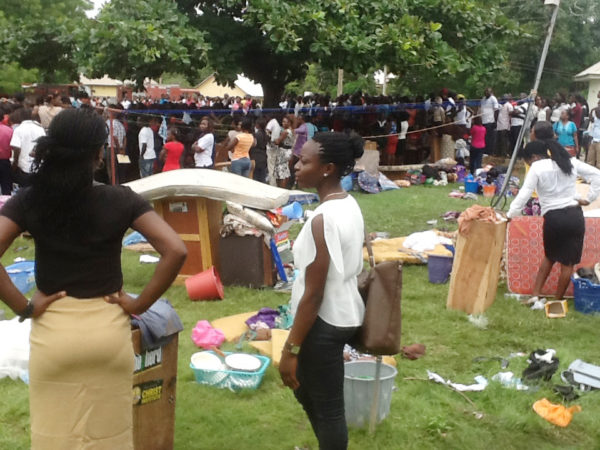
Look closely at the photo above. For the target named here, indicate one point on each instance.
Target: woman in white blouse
(553, 174)
(325, 299)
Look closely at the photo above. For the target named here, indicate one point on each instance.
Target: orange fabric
(556, 414)
(476, 212)
(242, 148)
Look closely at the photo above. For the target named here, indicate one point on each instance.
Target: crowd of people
(149, 136)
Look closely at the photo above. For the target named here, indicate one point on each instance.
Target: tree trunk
(272, 91)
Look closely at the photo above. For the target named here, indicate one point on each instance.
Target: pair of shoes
(539, 304)
(531, 300)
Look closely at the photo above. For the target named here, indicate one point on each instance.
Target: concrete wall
(104, 91)
(593, 93)
(210, 88)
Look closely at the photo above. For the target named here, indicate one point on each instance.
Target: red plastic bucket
(205, 286)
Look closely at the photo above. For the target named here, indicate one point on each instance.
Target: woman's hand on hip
(583, 202)
(287, 370)
(41, 301)
(129, 304)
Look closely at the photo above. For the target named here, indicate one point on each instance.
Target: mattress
(212, 184)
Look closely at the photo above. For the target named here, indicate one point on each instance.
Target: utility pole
(532, 95)
(340, 84)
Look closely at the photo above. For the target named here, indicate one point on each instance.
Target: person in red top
(478, 132)
(172, 151)
(6, 133)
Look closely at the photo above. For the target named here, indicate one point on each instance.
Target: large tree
(39, 34)
(135, 39)
(274, 41)
(575, 44)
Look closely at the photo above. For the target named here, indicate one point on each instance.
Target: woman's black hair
(544, 133)
(63, 171)
(247, 125)
(340, 149)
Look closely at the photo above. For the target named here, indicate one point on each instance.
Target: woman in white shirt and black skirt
(326, 303)
(553, 175)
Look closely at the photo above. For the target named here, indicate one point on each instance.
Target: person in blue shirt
(566, 133)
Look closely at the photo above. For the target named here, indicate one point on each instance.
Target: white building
(591, 75)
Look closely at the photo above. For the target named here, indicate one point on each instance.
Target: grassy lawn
(423, 415)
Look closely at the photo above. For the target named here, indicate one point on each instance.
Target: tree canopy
(426, 43)
(39, 34)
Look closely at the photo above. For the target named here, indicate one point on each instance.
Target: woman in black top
(258, 153)
(81, 357)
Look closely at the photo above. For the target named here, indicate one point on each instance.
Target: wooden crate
(197, 220)
(154, 387)
(476, 268)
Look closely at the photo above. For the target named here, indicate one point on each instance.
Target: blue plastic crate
(587, 296)
(22, 274)
(232, 379)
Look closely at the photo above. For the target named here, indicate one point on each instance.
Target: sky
(97, 5)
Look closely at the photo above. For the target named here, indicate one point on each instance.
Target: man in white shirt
(489, 110)
(517, 119)
(594, 149)
(503, 125)
(147, 151)
(273, 130)
(22, 143)
(125, 103)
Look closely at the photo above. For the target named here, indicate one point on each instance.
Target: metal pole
(375, 402)
(532, 95)
(385, 76)
(112, 149)
(340, 84)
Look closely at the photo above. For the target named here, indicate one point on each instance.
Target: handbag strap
(369, 249)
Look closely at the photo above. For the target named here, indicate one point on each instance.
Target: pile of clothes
(590, 273)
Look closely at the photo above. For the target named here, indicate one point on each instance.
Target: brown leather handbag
(381, 290)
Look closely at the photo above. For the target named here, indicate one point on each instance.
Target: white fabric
(425, 241)
(273, 129)
(212, 184)
(461, 116)
(504, 117)
(595, 128)
(204, 159)
(24, 137)
(488, 108)
(342, 304)
(555, 189)
(542, 114)
(555, 116)
(146, 136)
(14, 348)
(403, 130)
(517, 121)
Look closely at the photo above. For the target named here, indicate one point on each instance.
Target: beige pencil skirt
(80, 377)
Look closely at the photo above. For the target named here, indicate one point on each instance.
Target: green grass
(423, 415)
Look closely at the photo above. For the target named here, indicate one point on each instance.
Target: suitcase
(246, 261)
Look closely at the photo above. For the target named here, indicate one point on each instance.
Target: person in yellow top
(239, 148)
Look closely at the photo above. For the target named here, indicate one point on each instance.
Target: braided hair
(63, 170)
(340, 149)
(544, 134)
